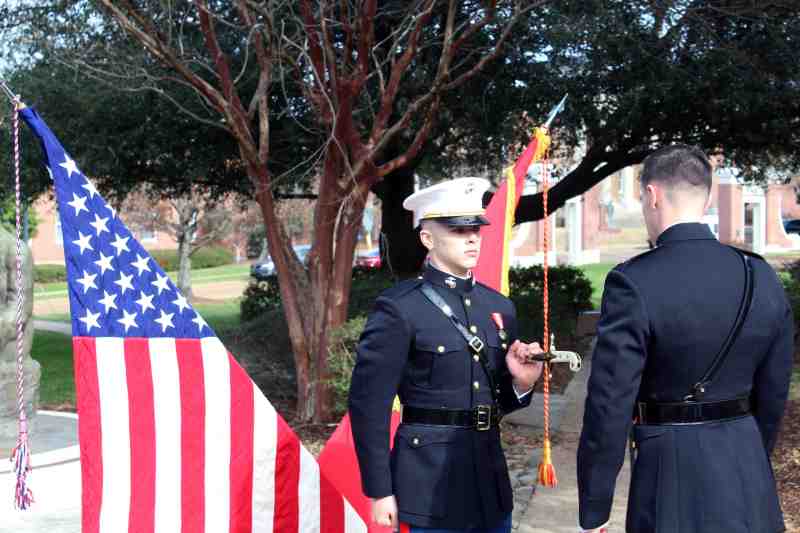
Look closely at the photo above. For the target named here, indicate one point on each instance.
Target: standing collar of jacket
(436, 277)
(687, 231)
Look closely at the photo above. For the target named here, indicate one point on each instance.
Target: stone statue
(9, 414)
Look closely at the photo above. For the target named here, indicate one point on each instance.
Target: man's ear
(651, 195)
(426, 237)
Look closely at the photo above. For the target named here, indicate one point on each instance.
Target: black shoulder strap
(700, 388)
(474, 342)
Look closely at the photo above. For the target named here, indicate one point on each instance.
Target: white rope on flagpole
(23, 497)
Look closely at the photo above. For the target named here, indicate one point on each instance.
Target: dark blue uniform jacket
(442, 476)
(664, 316)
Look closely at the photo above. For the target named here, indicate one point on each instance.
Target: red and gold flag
(493, 265)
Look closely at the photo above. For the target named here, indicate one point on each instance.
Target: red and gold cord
(547, 472)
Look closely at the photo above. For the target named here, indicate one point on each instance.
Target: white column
(759, 227)
(574, 221)
(754, 196)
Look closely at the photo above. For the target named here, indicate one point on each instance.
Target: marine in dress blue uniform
(701, 452)
(447, 470)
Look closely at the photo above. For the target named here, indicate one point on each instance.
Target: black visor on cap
(468, 220)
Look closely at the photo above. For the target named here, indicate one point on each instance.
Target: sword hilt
(558, 356)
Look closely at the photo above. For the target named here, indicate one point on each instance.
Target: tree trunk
(315, 300)
(338, 297)
(401, 250)
(293, 283)
(185, 266)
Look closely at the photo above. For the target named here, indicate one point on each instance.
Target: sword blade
(555, 111)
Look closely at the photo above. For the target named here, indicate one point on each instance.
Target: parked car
(370, 259)
(792, 226)
(264, 269)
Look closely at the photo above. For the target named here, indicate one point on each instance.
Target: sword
(558, 356)
(555, 111)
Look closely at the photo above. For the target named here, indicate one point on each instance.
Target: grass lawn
(53, 351)
(597, 275)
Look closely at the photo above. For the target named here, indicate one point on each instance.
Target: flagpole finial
(14, 98)
(555, 111)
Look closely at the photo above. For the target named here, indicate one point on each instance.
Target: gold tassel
(547, 472)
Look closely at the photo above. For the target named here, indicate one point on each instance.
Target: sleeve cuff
(594, 512)
(601, 529)
(520, 396)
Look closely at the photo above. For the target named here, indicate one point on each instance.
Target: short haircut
(678, 165)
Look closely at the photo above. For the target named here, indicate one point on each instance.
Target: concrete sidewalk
(556, 510)
(55, 480)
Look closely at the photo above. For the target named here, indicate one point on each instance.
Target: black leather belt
(481, 418)
(691, 412)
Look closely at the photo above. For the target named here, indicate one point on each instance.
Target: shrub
(211, 257)
(368, 283)
(259, 297)
(203, 258)
(342, 358)
(570, 292)
(792, 287)
(793, 270)
(49, 273)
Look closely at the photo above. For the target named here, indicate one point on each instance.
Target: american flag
(174, 435)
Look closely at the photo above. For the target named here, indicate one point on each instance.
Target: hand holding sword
(557, 356)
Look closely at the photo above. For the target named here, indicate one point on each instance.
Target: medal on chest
(501, 330)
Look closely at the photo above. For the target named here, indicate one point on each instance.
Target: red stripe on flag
(287, 480)
(331, 503)
(193, 435)
(143, 435)
(241, 499)
(87, 390)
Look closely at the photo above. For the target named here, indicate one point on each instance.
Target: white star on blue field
(115, 288)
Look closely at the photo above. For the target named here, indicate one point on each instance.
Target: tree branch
(398, 70)
(577, 182)
(232, 107)
(485, 60)
(416, 145)
(264, 79)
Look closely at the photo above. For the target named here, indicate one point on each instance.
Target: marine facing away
(694, 352)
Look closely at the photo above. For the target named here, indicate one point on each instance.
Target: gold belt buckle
(483, 417)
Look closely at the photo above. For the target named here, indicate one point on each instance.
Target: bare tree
(194, 220)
